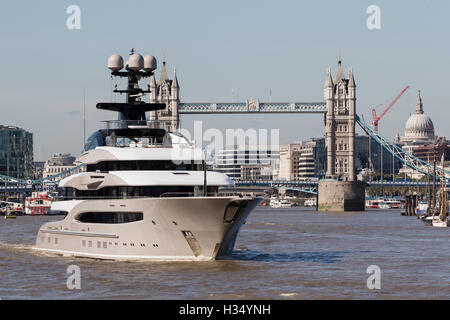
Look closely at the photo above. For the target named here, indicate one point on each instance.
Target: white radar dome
(135, 62)
(115, 62)
(149, 63)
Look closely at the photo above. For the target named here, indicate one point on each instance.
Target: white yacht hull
(191, 228)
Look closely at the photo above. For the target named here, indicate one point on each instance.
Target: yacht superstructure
(146, 192)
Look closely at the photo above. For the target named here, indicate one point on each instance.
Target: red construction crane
(376, 118)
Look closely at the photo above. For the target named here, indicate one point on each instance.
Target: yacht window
(231, 211)
(110, 217)
(127, 165)
(123, 192)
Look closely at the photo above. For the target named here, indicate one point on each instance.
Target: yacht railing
(134, 124)
(187, 194)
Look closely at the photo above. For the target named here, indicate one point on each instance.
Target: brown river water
(294, 253)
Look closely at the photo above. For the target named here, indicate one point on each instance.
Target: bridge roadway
(251, 106)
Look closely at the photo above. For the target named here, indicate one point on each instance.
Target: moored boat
(274, 202)
(311, 202)
(439, 222)
(11, 208)
(285, 203)
(38, 203)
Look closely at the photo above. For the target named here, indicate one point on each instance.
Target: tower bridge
(340, 117)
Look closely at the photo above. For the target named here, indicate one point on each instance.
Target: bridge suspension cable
(405, 157)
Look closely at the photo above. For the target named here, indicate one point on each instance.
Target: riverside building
(303, 161)
(16, 152)
(58, 163)
(235, 160)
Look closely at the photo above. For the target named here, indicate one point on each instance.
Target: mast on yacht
(136, 68)
(443, 195)
(441, 219)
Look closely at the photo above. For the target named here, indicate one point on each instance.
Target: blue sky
(217, 46)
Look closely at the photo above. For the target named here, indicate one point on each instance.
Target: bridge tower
(340, 99)
(340, 191)
(168, 92)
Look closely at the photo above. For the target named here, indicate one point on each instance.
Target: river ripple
(292, 253)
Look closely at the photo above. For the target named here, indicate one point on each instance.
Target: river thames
(294, 253)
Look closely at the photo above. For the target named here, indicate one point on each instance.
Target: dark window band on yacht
(134, 192)
(110, 217)
(127, 165)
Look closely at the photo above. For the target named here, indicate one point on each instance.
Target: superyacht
(146, 193)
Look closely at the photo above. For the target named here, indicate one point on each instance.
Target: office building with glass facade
(230, 160)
